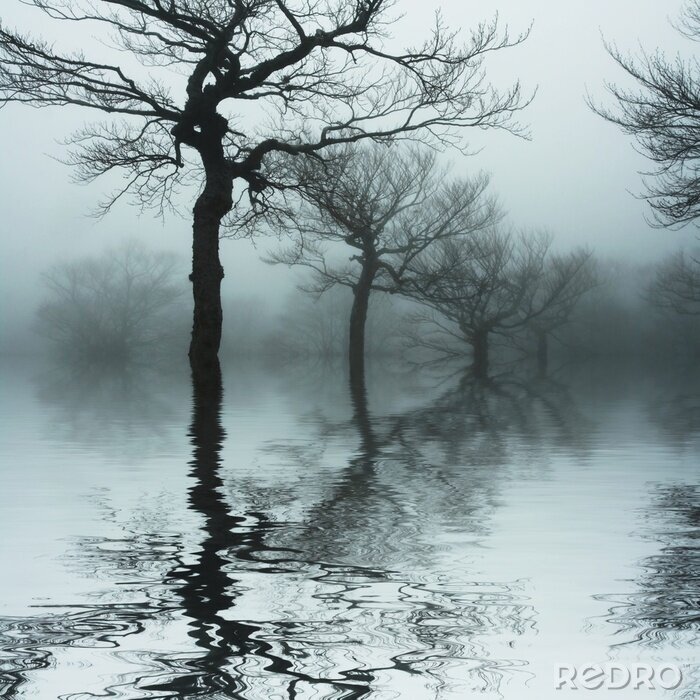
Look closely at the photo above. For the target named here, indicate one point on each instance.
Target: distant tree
(112, 307)
(565, 279)
(663, 115)
(389, 206)
(493, 283)
(675, 285)
(317, 327)
(250, 78)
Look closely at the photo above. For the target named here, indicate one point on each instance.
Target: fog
(437, 433)
(575, 176)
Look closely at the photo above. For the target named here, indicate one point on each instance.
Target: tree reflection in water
(414, 475)
(662, 615)
(441, 463)
(666, 608)
(209, 586)
(357, 596)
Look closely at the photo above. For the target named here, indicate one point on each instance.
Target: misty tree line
(526, 301)
(257, 80)
(330, 168)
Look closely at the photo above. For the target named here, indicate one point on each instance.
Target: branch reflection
(374, 586)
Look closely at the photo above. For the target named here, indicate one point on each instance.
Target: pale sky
(574, 177)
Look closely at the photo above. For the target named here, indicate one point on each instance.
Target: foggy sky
(574, 177)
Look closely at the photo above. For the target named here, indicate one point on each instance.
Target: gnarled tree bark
(207, 272)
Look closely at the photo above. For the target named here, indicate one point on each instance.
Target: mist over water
(437, 435)
(426, 535)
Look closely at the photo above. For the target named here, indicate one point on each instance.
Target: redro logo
(618, 677)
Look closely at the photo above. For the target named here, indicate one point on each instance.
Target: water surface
(423, 536)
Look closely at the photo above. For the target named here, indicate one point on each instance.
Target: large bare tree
(493, 283)
(662, 113)
(388, 206)
(229, 82)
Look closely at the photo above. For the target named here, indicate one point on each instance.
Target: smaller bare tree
(493, 283)
(389, 205)
(550, 306)
(676, 285)
(111, 307)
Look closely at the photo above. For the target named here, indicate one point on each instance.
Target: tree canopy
(319, 69)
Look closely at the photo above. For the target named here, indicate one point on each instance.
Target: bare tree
(663, 115)
(112, 307)
(493, 283)
(389, 206)
(302, 74)
(564, 280)
(676, 285)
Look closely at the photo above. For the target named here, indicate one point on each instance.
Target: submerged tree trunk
(480, 360)
(358, 321)
(361, 415)
(212, 205)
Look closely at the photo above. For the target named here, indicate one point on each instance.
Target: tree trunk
(211, 206)
(480, 347)
(358, 320)
(542, 352)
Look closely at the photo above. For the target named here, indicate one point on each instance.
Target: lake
(425, 535)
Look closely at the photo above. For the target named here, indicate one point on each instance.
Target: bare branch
(662, 114)
(387, 204)
(498, 283)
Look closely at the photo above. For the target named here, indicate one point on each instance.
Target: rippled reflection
(357, 567)
(666, 609)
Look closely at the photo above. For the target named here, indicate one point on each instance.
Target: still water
(423, 536)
